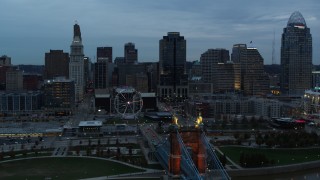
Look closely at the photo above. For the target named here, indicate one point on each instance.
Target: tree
(118, 151)
(253, 122)
(130, 150)
(88, 151)
(24, 153)
(12, 153)
(246, 136)
(98, 151)
(259, 139)
(223, 160)
(236, 135)
(224, 124)
(244, 120)
(270, 142)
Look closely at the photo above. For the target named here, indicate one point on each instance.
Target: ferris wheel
(128, 103)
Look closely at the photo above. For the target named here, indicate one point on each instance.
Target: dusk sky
(29, 28)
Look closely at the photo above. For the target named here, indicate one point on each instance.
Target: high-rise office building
(104, 52)
(101, 78)
(217, 69)
(227, 77)
(209, 63)
(173, 80)
(76, 65)
(130, 53)
(56, 64)
(59, 93)
(254, 80)
(296, 56)
(88, 76)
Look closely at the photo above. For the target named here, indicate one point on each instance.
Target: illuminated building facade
(311, 101)
(59, 93)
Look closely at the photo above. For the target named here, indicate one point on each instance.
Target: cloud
(205, 24)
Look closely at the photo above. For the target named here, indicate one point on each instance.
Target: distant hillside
(32, 69)
(316, 67)
(276, 68)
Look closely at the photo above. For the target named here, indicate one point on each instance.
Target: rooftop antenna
(273, 59)
(76, 22)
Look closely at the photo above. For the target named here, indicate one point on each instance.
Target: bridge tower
(175, 154)
(192, 140)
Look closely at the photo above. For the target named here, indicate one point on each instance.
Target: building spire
(76, 30)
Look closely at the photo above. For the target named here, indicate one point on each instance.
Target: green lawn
(62, 168)
(280, 156)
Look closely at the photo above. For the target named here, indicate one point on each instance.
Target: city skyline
(32, 28)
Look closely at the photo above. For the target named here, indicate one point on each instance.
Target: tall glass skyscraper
(296, 56)
(172, 62)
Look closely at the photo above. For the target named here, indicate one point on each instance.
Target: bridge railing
(162, 154)
(211, 155)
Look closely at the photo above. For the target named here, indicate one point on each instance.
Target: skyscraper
(101, 79)
(56, 64)
(59, 93)
(130, 53)
(172, 61)
(209, 63)
(76, 66)
(254, 81)
(104, 52)
(296, 56)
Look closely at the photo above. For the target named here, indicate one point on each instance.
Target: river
(301, 175)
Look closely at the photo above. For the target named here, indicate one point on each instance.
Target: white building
(76, 66)
(267, 107)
